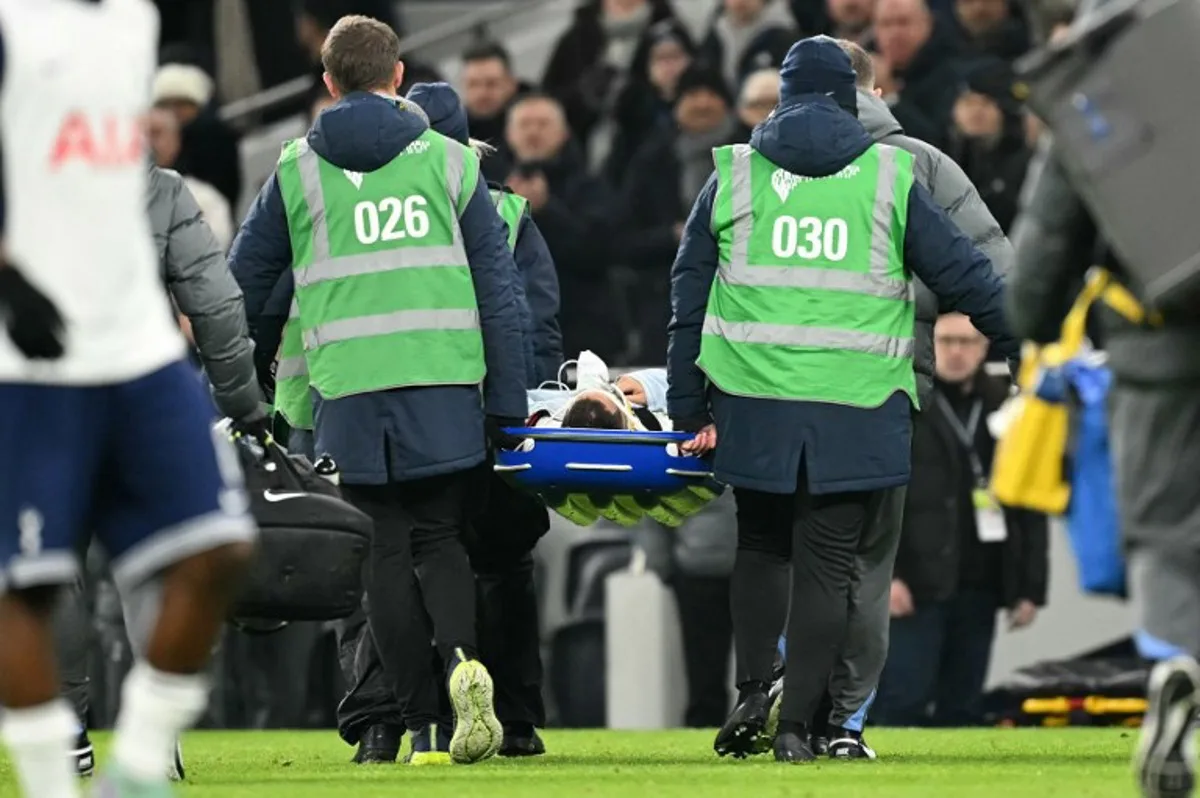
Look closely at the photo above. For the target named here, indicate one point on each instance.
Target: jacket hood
(876, 117)
(817, 65)
(363, 131)
(441, 104)
(811, 136)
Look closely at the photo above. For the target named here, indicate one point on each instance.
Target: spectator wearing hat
(988, 138)
(208, 149)
(647, 104)
(663, 180)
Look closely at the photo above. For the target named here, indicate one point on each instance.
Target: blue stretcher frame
(594, 461)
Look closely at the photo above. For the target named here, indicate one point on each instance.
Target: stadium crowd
(611, 149)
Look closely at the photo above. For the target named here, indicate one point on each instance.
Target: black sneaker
(84, 756)
(740, 735)
(793, 748)
(848, 745)
(522, 741)
(1166, 751)
(379, 745)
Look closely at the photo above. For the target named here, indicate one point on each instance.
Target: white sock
(155, 708)
(40, 739)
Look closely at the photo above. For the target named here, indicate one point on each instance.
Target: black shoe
(379, 744)
(847, 745)
(793, 748)
(522, 742)
(84, 755)
(740, 735)
(1164, 755)
(819, 744)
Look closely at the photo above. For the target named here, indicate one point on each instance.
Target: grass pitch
(1046, 763)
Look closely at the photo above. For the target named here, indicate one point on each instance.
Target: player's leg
(175, 511)
(50, 438)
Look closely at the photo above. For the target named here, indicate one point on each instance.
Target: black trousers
(499, 542)
(804, 544)
(419, 581)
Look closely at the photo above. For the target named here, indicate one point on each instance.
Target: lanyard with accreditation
(989, 520)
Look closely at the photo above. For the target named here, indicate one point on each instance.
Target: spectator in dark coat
(957, 563)
(918, 67)
(209, 148)
(850, 20)
(663, 181)
(647, 104)
(988, 138)
(489, 88)
(746, 36)
(593, 62)
(573, 210)
(991, 28)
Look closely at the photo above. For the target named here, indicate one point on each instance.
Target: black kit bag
(312, 543)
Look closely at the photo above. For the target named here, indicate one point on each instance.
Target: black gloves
(33, 322)
(256, 425)
(494, 427)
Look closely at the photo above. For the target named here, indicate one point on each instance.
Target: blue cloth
(818, 66)
(539, 283)
(761, 442)
(406, 433)
(135, 463)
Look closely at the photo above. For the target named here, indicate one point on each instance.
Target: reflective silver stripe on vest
(308, 164)
(294, 309)
(382, 261)
(387, 323)
(290, 367)
(877, 282)
(324, 268)
(745, 332)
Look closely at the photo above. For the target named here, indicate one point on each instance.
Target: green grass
(1046, 763)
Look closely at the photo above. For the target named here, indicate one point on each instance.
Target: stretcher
(623, 476)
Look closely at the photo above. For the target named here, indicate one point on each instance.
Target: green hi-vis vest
(511, 208)
(383, 287)
(292, 399)
(811, 301)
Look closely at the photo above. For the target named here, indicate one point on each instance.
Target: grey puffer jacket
(200, 283)
(954, 192)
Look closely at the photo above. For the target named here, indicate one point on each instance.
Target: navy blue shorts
(136, 464)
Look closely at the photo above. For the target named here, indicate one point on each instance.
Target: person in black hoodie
(594, 60)
(662, 182)
(918, 67)
(647, 105)
(988, 138)
(573, 210)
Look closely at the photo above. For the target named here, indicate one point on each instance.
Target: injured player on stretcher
(634, 401)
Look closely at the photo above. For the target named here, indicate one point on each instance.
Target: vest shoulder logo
(784, 181)
(354, 177)
(418, 147)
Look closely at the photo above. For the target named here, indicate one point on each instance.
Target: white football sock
(155, 708)
(40, 739)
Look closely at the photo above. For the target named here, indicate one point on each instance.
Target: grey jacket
(200, 283)
(954, 192)
(1057, 241)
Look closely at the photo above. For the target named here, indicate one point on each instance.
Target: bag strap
(1070, 341)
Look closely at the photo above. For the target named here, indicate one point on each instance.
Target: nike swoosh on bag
(281, 497)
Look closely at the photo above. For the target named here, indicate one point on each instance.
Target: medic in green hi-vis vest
(384, 296)
(512, 209)
(812, 301)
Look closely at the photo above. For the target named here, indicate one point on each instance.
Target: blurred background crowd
(604, 114)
